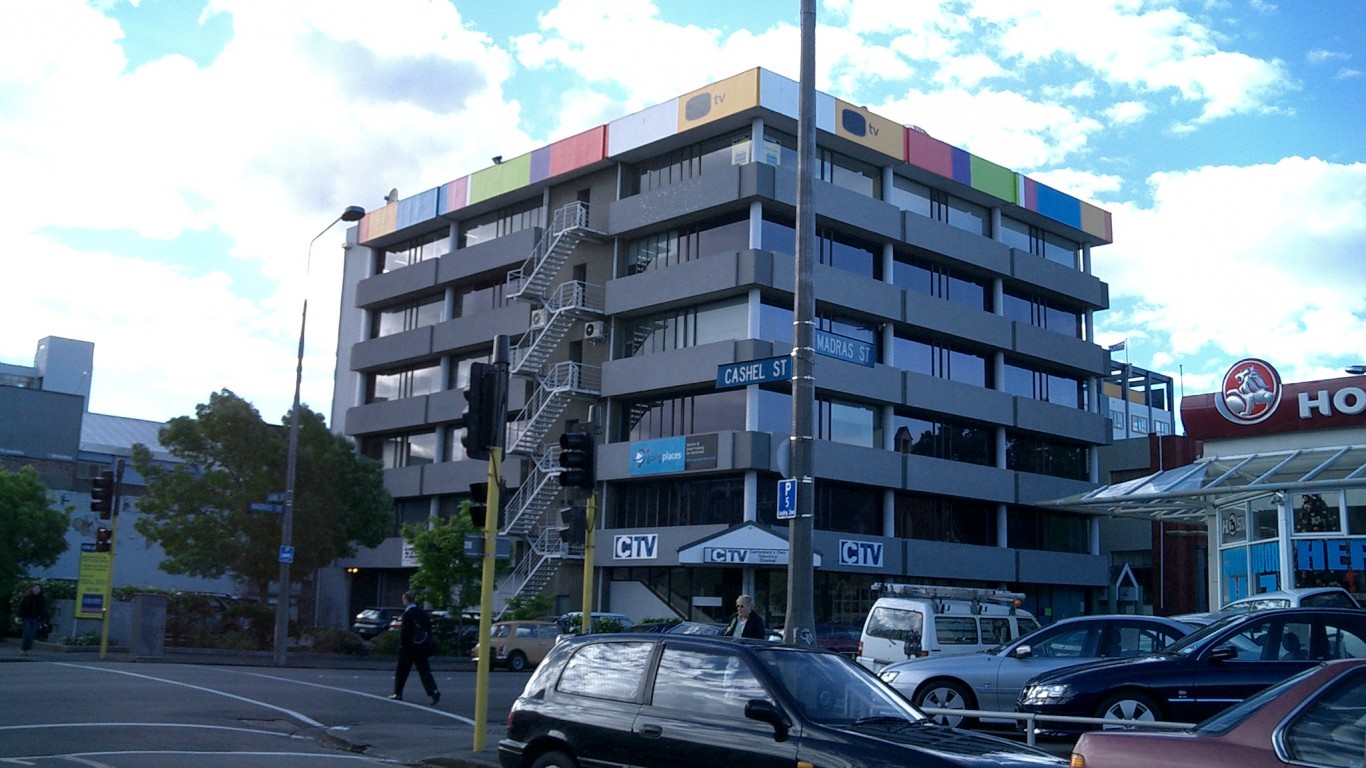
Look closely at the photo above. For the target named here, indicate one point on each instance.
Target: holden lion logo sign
(1250, 392)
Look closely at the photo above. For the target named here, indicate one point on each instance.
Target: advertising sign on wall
(1253, 401)
(673, 454)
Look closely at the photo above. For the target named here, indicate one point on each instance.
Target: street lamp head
(1356, 370)
(353, 213)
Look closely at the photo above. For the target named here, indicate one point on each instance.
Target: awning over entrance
(1190, 492)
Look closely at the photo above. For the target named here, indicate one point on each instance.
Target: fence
(1032, 720)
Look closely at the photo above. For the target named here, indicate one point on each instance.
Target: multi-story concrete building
(633, 264)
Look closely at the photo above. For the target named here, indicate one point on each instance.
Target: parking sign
(787, 499)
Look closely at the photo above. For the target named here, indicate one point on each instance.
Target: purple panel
(540, 164)
(962, 166)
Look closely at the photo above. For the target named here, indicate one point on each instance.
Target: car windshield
(832, 690)
(1195, 641)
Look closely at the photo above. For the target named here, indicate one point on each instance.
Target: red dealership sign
(1254, 401)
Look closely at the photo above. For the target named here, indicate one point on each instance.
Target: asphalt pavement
(450, 745)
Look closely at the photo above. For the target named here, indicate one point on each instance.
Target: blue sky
(168, 161)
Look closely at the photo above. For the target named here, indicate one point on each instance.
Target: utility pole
(800, 624)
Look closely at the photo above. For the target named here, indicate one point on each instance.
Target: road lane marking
(301, 717)
(386, 699)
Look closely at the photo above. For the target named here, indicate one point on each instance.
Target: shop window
(1356, 512)
(1317, 513)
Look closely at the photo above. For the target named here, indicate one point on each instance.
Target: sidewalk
(443, 746)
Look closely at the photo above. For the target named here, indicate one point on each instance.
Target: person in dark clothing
(414, 631)
(32, 612)
(745, 622)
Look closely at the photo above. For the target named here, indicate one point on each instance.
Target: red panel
(929, 153)
(577, 151)
(1327, 404)
(457, 194)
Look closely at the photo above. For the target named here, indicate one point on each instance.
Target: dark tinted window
(705, 682)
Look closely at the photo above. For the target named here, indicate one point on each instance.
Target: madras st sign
(1254, 401)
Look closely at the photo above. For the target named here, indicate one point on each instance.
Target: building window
(687, 327)
(430, 246)
(676, 246)
(1028, 528)
(409, 382)
(1042, 314)
(950, 520)
(929, 279)
(1118, 421)
(847, 253)
(686, 415)
(689, 162)
(481, 297)
(949, 440)
(1037, 385)
(504, 221)
(1162, 427)
(1317, 513)
(842, 421)
(939, 205)
(848, 508)
(681, 501)
(406, 317)
(406, 450)
(1140, 424)
(1031, 239)
(939, 360)
(1026, 453)
(833, 167)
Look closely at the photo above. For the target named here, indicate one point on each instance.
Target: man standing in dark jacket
(32, 612)
(745, 622)
(415, 631)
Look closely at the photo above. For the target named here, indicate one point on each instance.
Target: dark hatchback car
(1202, 673)
(664, 701)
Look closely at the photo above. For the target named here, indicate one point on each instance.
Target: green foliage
(607, 625)
(323, 640)
(445, 579)
(385, 643)
(525, 609)
(32, 529)
(85, 639)
(199, 511)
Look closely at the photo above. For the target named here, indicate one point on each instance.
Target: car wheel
(554, 760)
(947, 694)
(517, 661)
(1131, 706)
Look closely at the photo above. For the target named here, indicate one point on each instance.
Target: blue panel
(418, 208)
(540, 164)
(1059, 206)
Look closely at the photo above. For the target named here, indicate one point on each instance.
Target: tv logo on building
(1250, 392)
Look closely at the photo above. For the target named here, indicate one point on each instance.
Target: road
(69, 708)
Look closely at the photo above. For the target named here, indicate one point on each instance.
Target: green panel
(993, 179)
(499, 179)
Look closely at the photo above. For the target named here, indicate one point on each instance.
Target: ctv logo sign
(864, 553)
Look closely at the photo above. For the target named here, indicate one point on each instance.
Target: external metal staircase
(529, 515)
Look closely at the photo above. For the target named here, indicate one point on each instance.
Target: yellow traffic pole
(481, 686)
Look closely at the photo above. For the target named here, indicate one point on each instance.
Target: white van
(913, 620)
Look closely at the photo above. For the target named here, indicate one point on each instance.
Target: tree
(33, 531)
(445, 577)
(199, 510)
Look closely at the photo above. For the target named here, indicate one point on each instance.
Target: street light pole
(352, 213)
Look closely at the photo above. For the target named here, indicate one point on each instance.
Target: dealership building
(645, 269)
(1276, 477)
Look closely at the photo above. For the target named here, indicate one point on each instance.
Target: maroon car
(1316, 718)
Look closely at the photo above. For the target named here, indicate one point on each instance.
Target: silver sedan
(992, 679)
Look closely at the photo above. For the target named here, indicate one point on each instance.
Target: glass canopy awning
(1192, 491)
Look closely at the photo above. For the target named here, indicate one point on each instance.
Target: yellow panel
(718, 100)
(870, 130)
(383, 220)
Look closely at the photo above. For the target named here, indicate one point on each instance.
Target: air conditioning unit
(595, 330)
(540, 318)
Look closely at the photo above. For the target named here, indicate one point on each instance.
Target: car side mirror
(1023, 651)
(766, 711)
(1223, 653)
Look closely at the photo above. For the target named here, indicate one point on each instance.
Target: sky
(171, 166)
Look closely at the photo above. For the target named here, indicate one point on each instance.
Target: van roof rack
(937, 593)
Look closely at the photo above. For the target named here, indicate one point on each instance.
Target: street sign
(474, 546)
(286, 554)
(844, 348)
(760, 371)
(787, 499)
(267, 506)
(276, 496)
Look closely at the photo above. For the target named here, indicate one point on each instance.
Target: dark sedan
(666, 701)
(1203, 673)
(1316, 718)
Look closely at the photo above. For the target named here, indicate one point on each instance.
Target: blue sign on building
(844, 348)
(760, 371)
(653, 457)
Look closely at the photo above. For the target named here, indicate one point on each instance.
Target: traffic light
(576, 460)
(102, 494)
(479, 508)
(477, 410)
(575, 519)
(104, 539)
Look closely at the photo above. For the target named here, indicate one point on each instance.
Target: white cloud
(1127, 112)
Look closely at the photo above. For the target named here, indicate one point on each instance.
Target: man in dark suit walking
(414, 648)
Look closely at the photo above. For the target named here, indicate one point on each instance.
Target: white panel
(628, 133)
(783, 96)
